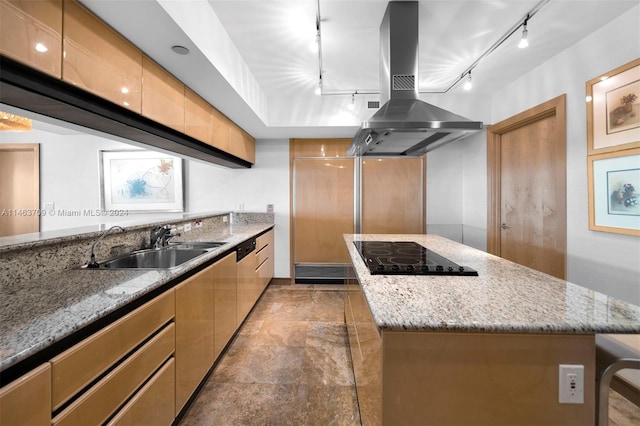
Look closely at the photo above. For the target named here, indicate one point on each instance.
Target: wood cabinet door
(323, 209)
(198, 117)
(220, 130)
(27, 400)
(98, 59)
(241, 144)
(194, 333)
(246, 287)
(162, 96)
(393, 195)
(31, 32)
(224, 301)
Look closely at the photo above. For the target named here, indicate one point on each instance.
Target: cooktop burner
(407, 258)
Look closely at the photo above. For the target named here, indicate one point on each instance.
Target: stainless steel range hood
(405, 125)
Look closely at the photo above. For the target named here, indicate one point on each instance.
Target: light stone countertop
(36, 316)
(504, 298)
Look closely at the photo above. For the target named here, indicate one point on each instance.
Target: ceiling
(255, 60)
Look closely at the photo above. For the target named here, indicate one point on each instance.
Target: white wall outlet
(225, 219)
(198, 224)
(269, 208)
(187, 227)
(571, 384)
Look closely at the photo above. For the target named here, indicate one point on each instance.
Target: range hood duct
(405, 125)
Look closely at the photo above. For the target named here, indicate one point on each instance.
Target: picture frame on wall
(613, 109)
(614, 192)
(141, 181)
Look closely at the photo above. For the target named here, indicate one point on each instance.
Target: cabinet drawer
(264, 273)
(262, 255)
(78, 366)
(264, 239)
(27, 400)
(104, 398)
(153, 404)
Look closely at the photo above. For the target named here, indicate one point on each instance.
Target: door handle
(504, 226)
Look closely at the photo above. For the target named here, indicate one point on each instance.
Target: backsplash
(34, 260)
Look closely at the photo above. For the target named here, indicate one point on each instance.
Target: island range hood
(405, 125)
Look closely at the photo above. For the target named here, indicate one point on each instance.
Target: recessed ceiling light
(180, 50)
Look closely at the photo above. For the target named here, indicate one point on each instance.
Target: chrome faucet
(161, 235)
(92, 262)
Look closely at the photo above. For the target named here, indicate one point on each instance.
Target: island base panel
(481, 378)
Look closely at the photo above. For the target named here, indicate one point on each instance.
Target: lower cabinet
(194, 333)
(154, 404)
(143, 368)
(27, 400)
(224, 301)
(264, 260)
(102, 400)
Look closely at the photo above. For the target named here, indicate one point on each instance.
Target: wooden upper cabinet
(198, 117)
(99, 60)
(31, 33)
(220, 131)
(241, 144)
(163, 96)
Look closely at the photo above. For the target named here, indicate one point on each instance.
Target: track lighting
(468, 84)
(523, 41)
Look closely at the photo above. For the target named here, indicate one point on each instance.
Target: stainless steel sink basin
(171, 256)
(196, 245)
(162, 258)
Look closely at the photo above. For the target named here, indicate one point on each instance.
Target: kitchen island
(480, 349)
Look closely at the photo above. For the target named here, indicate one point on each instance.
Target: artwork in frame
(613, 109)
(141, 181)
(614, 192)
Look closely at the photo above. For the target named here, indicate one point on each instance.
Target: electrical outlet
(269, 208)
(198, 224)
(187, 227)
(225, 219)
(571, 384)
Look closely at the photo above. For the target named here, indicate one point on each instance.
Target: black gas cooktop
(407, 258)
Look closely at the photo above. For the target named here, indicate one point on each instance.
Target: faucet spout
(92, 262)
(161, 235)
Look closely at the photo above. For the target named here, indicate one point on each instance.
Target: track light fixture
(523, 41)
(468, 84)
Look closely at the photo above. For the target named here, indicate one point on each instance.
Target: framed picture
(142, 181)
(613, 110)
(614, 192)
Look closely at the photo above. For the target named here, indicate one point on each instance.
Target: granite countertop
(54, 307)
(504, 298)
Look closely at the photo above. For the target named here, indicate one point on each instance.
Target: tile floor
(290, 365)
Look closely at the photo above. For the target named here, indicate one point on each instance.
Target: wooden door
(323, 209)
(527, 188)
(393, 195)
(19, 189)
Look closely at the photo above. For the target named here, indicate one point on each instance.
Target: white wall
(213, 188)
(605, 262)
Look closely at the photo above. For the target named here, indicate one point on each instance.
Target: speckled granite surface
(47, 309)
(504, 298)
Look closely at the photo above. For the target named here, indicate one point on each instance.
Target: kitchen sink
(167, 257)
(161, 258)
(195, 245)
